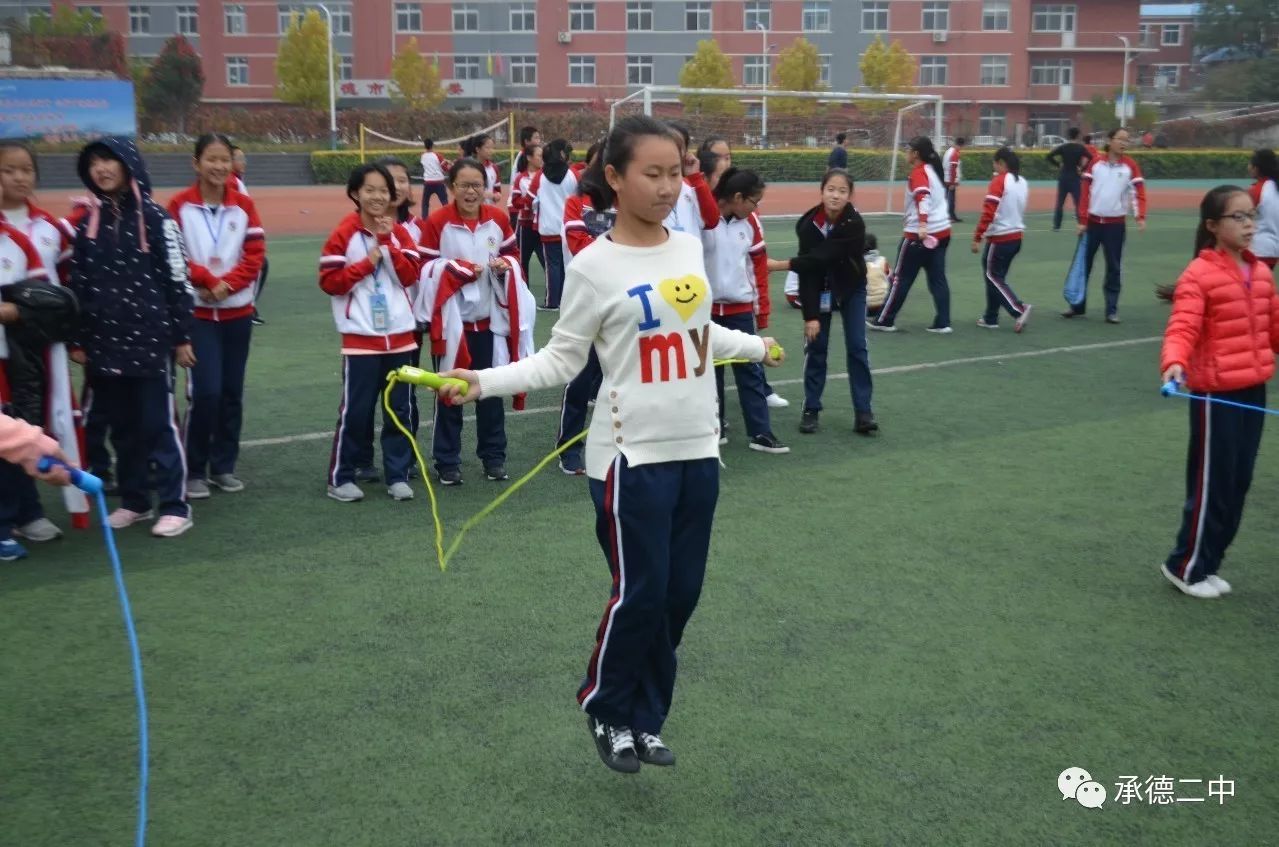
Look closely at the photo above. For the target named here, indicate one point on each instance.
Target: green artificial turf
(902, 640)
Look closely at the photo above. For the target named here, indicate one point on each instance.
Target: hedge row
(809, 165)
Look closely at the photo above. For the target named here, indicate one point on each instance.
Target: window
(523, 17)
(341, 20)
(1146, 34)
(346, 68)
(994, 70)
(1166, 76)
(286, 14)
(758, 13)
(823, 70)
(466, 18)
(936, 17)
(581, 69)
(139, 20)
(466, 67)
(932, 70)
(816, 16)
(235, 25)
(1054, 18)
(697, 16)
(237, 70)
(408, 17)
(523, 70)
(31, 13)
(875, 16)
(581, 18)
(188, 20)
(639, 16)
(1171, 35)
(755, 70)
(1052, 72)
(639, 70)
(995, 16)
(992, 121)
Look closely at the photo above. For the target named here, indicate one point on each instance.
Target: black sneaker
(367, 475)
(808, 423)
(414, 473)
(652, 751)
(767, 443)
(615, 744)
(864, 423)
(571, 464)
(495, 472)
(450, 476)
(257, 319)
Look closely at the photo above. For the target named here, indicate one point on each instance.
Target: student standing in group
(1003, 222)
(433, 169)
(225, 246)
(550, 190)
(519, 169)
(1264, 169)
(367, 267)
(1113, 185)
(526, 234)
(652, 454)
(838, 157)
(1220, 343)
(1070, 159)
(480, 148)
(696, 209)
(129, 271)
(953, 166)
(924, 244)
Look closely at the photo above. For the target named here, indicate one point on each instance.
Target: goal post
(803, 123)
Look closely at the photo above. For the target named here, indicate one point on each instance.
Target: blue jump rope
(1171, 388)
(91, 485)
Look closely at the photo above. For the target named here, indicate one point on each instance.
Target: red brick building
(1168, 30)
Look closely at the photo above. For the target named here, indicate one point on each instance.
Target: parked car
(1051, 140)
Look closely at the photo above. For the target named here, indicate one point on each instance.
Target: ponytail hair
(736, 181)
(619, 149)
(1211, 208)
(923, 147)
(1010, 159)
(1267, 164)
(471, 146)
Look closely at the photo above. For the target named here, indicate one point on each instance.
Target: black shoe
(652, 751)
(414, 473)
(495, 472)
(1071, 313)
(808, 422)
(450, 476)
(367, 475)
(768, 443)
(865, 423)
(957, 220)
(615, 744)
(571, 464)
(257, 319)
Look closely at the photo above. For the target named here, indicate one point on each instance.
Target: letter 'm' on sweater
(663, 346)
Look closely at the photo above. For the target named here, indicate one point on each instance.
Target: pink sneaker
(171, 526)
(121, 518)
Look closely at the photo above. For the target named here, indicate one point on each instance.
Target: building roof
(1169, 10)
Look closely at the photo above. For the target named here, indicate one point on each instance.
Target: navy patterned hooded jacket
(128, 267)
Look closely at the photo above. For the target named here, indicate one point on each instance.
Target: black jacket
(833, 261)
(128, 269)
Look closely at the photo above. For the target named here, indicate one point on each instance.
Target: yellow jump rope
(416, 376)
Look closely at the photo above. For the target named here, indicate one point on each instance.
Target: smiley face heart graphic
(684, 294)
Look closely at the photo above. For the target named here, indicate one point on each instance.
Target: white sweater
(647, 311)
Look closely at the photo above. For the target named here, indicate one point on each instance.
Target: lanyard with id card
(213, 220)
(379, 309)
(824, 303)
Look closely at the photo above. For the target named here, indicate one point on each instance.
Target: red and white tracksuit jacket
(1265, 240)
(1111, 190)
(225, 243)
(354, 284)
(1003, 215)
(737, 268)
(925, 204)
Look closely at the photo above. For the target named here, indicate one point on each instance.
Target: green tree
(302, 63)
(886, 69)
(415, 82)
(799, 68)
(174, 84)
(709, 68)
(1100, 112)
(1244, 23)
(1254, 81)
(67, 20)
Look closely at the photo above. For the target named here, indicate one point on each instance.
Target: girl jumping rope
(640, 295)
(1220, 342)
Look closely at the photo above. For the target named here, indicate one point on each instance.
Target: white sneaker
(347, 492)
(880, 327)
(1025, 316)
(227, 482)
(40, 529)
(1204, 590)
(981, 322)
(939, 330)
(776, 401)
(197, 489)
(1215, 581)
(400, 491)
(122, 518)
(171, 526)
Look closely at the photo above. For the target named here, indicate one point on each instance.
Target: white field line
(894, 369)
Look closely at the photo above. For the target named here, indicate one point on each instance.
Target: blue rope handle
(1171, 389)
(91, 485)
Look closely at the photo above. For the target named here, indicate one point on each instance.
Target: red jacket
(1222, 332)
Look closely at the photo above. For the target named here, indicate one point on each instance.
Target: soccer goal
(803, 123)
(374, 144)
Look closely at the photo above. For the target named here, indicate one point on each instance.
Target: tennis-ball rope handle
(775, 352)
(433, 381)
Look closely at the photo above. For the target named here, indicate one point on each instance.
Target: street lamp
(763, 84)
(1123, 90)
(333, 107)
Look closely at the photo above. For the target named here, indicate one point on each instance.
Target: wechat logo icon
(1077, 784)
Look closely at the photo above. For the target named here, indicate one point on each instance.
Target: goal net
(375, 145)
(788, 135)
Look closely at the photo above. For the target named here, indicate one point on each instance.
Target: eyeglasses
(1240, 217)
(469, 186)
